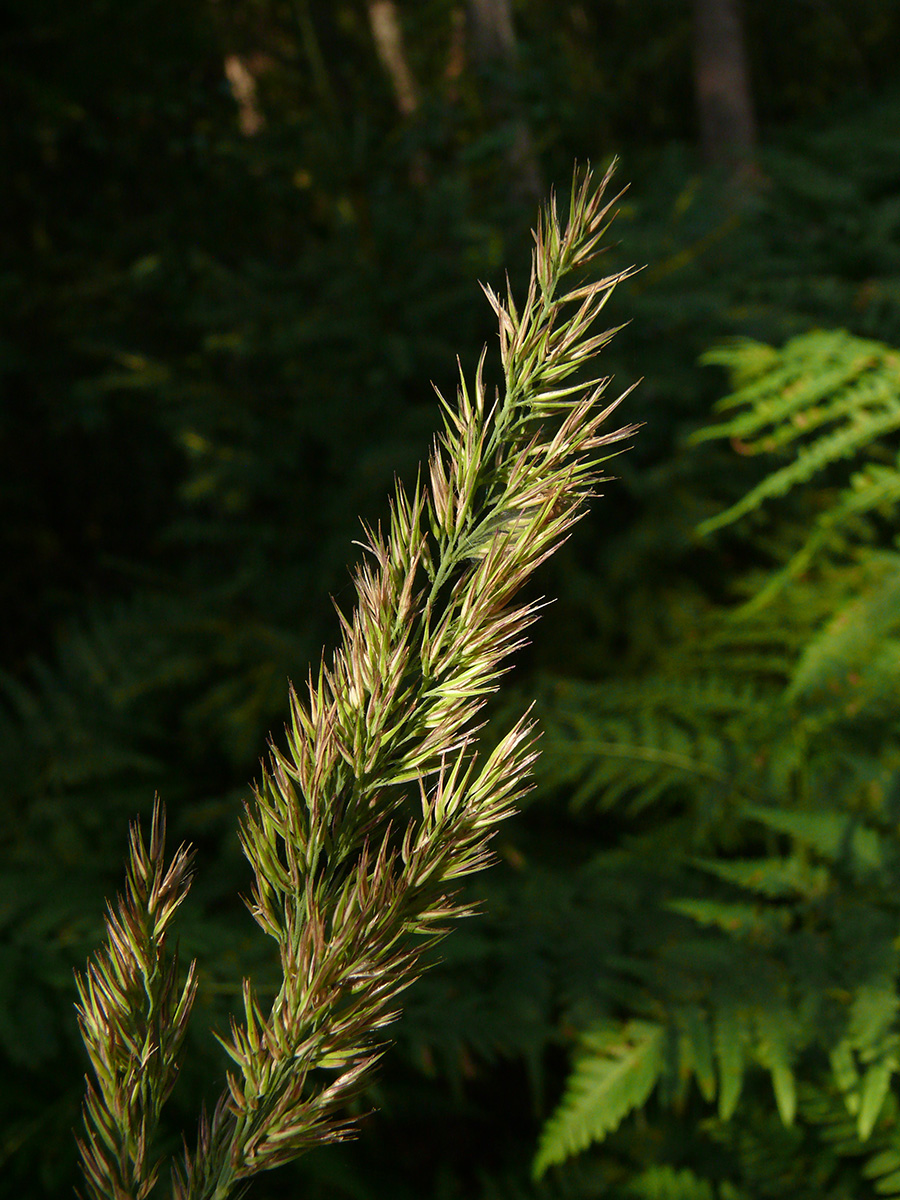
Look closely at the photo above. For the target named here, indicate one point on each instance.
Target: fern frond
(810, 461)
(696, 1049)
(617, 1068)
(826, 397)
(667, 1183)
(730, 1032)
(815, 380)
(876, 1150)
(780, 714)
(634, 742)
(773, 878)
(775, 1026)
(873, 1092)
(874, 489)
(733, 917)
(842, 653)
(836, 836)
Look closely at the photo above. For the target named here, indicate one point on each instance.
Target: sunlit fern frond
(634, 742)
(824, 400)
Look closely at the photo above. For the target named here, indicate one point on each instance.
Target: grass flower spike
(133, 1021)
(379, 804)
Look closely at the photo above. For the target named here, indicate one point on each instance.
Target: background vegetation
(238, 240)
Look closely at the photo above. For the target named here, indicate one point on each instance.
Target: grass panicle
(379, 804)
(133, 1019)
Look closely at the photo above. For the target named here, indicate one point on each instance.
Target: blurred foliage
(214, 354)
(750, 764)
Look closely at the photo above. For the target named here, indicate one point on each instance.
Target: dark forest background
(238, 239)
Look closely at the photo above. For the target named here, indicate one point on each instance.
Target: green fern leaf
(846, 1073)
(827, 396)
(611, 743)
(734, 918)
(874, 489)
(872, 1016)
(774, 878)
(617, 1070)
(808, 463)
(888, 1185)
(851, 639)
(729, 1034)
(773, 1026)
(696, 1049)
(873, 1093)
(745, 359)
(884, 1164)
(815, 379)
(833, 835)
(825, 1110)
(666, 1183)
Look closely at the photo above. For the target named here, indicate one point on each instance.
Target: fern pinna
(754, 775)
(364, 825)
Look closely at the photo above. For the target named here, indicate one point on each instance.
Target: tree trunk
(493, 36)
(242, 82)
(494, 45)
(724, 103)
(456, 52)
(388, 35)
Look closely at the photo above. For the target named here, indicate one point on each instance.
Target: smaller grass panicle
(363, 826)
(133, 1019)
